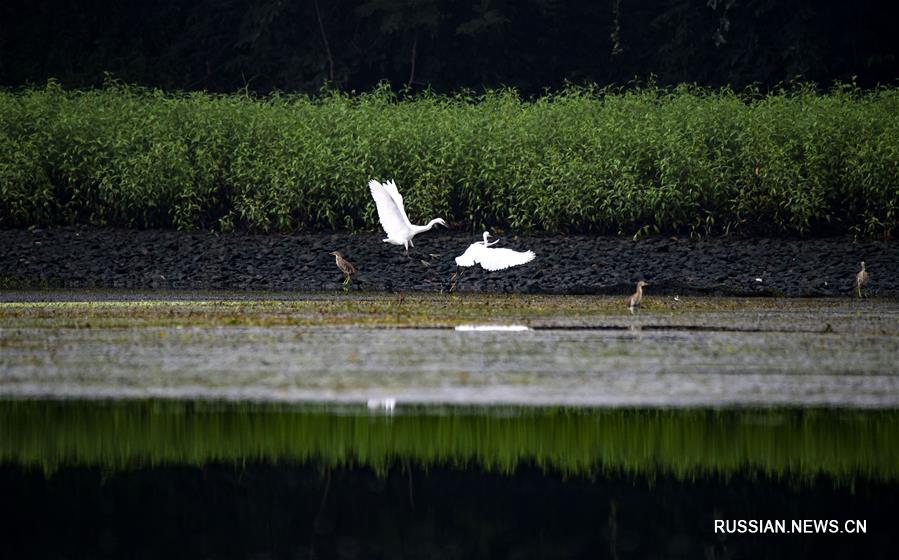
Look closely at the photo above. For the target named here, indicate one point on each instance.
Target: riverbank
(576, 264)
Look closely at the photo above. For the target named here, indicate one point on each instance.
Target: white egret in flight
(392, 215)
(490, 259)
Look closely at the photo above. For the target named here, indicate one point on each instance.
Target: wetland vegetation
(647, 160)
(118, 309)
(156, 156)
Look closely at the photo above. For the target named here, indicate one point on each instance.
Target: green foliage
(793, 444)
(685, 160)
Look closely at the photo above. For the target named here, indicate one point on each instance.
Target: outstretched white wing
(391, 213)
(499, 259)
(470, 256)
(394, 193)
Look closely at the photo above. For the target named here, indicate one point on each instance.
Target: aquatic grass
(795, 444)
(683, 160)
(443, 310)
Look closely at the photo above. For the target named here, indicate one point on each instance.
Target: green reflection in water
(798, 444)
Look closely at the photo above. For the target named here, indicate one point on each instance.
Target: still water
(585, 367)
(182, 479)
(287, 426)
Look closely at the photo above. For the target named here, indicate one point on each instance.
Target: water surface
(247, 480)
(148, 425)
(793, 443)
(671, 366)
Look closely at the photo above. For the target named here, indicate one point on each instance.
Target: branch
(414, 47)
(321, 28)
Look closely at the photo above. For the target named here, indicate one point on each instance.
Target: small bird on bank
(345, 266)
(392, 215)
(637, 297)
(861, 278)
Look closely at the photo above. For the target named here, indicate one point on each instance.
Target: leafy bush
(686, 160)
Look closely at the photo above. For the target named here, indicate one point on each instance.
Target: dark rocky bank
(565, 264)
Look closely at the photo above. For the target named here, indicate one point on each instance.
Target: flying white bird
(481, 253)
(392, 215)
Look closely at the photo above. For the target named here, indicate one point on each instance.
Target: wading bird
(492, 259)
(637, 297)
(345, 266)
(861, 278)
(392, 215)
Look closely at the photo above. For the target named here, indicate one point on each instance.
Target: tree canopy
(302, 45)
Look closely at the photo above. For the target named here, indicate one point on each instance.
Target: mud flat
(565, 264)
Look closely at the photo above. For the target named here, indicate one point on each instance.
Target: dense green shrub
(583, 160)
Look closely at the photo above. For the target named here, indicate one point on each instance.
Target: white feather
(394, 193)
(468, 257)
(392, 214)
(499, 259)
(493, 259)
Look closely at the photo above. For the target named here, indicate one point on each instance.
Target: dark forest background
(301, 45)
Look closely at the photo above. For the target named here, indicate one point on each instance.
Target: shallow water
(216, 480)
(797, 444)
(669, 367)
(284, 426)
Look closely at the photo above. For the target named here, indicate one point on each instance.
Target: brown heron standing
(345, 266)
(637, 297)
(861, 278)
